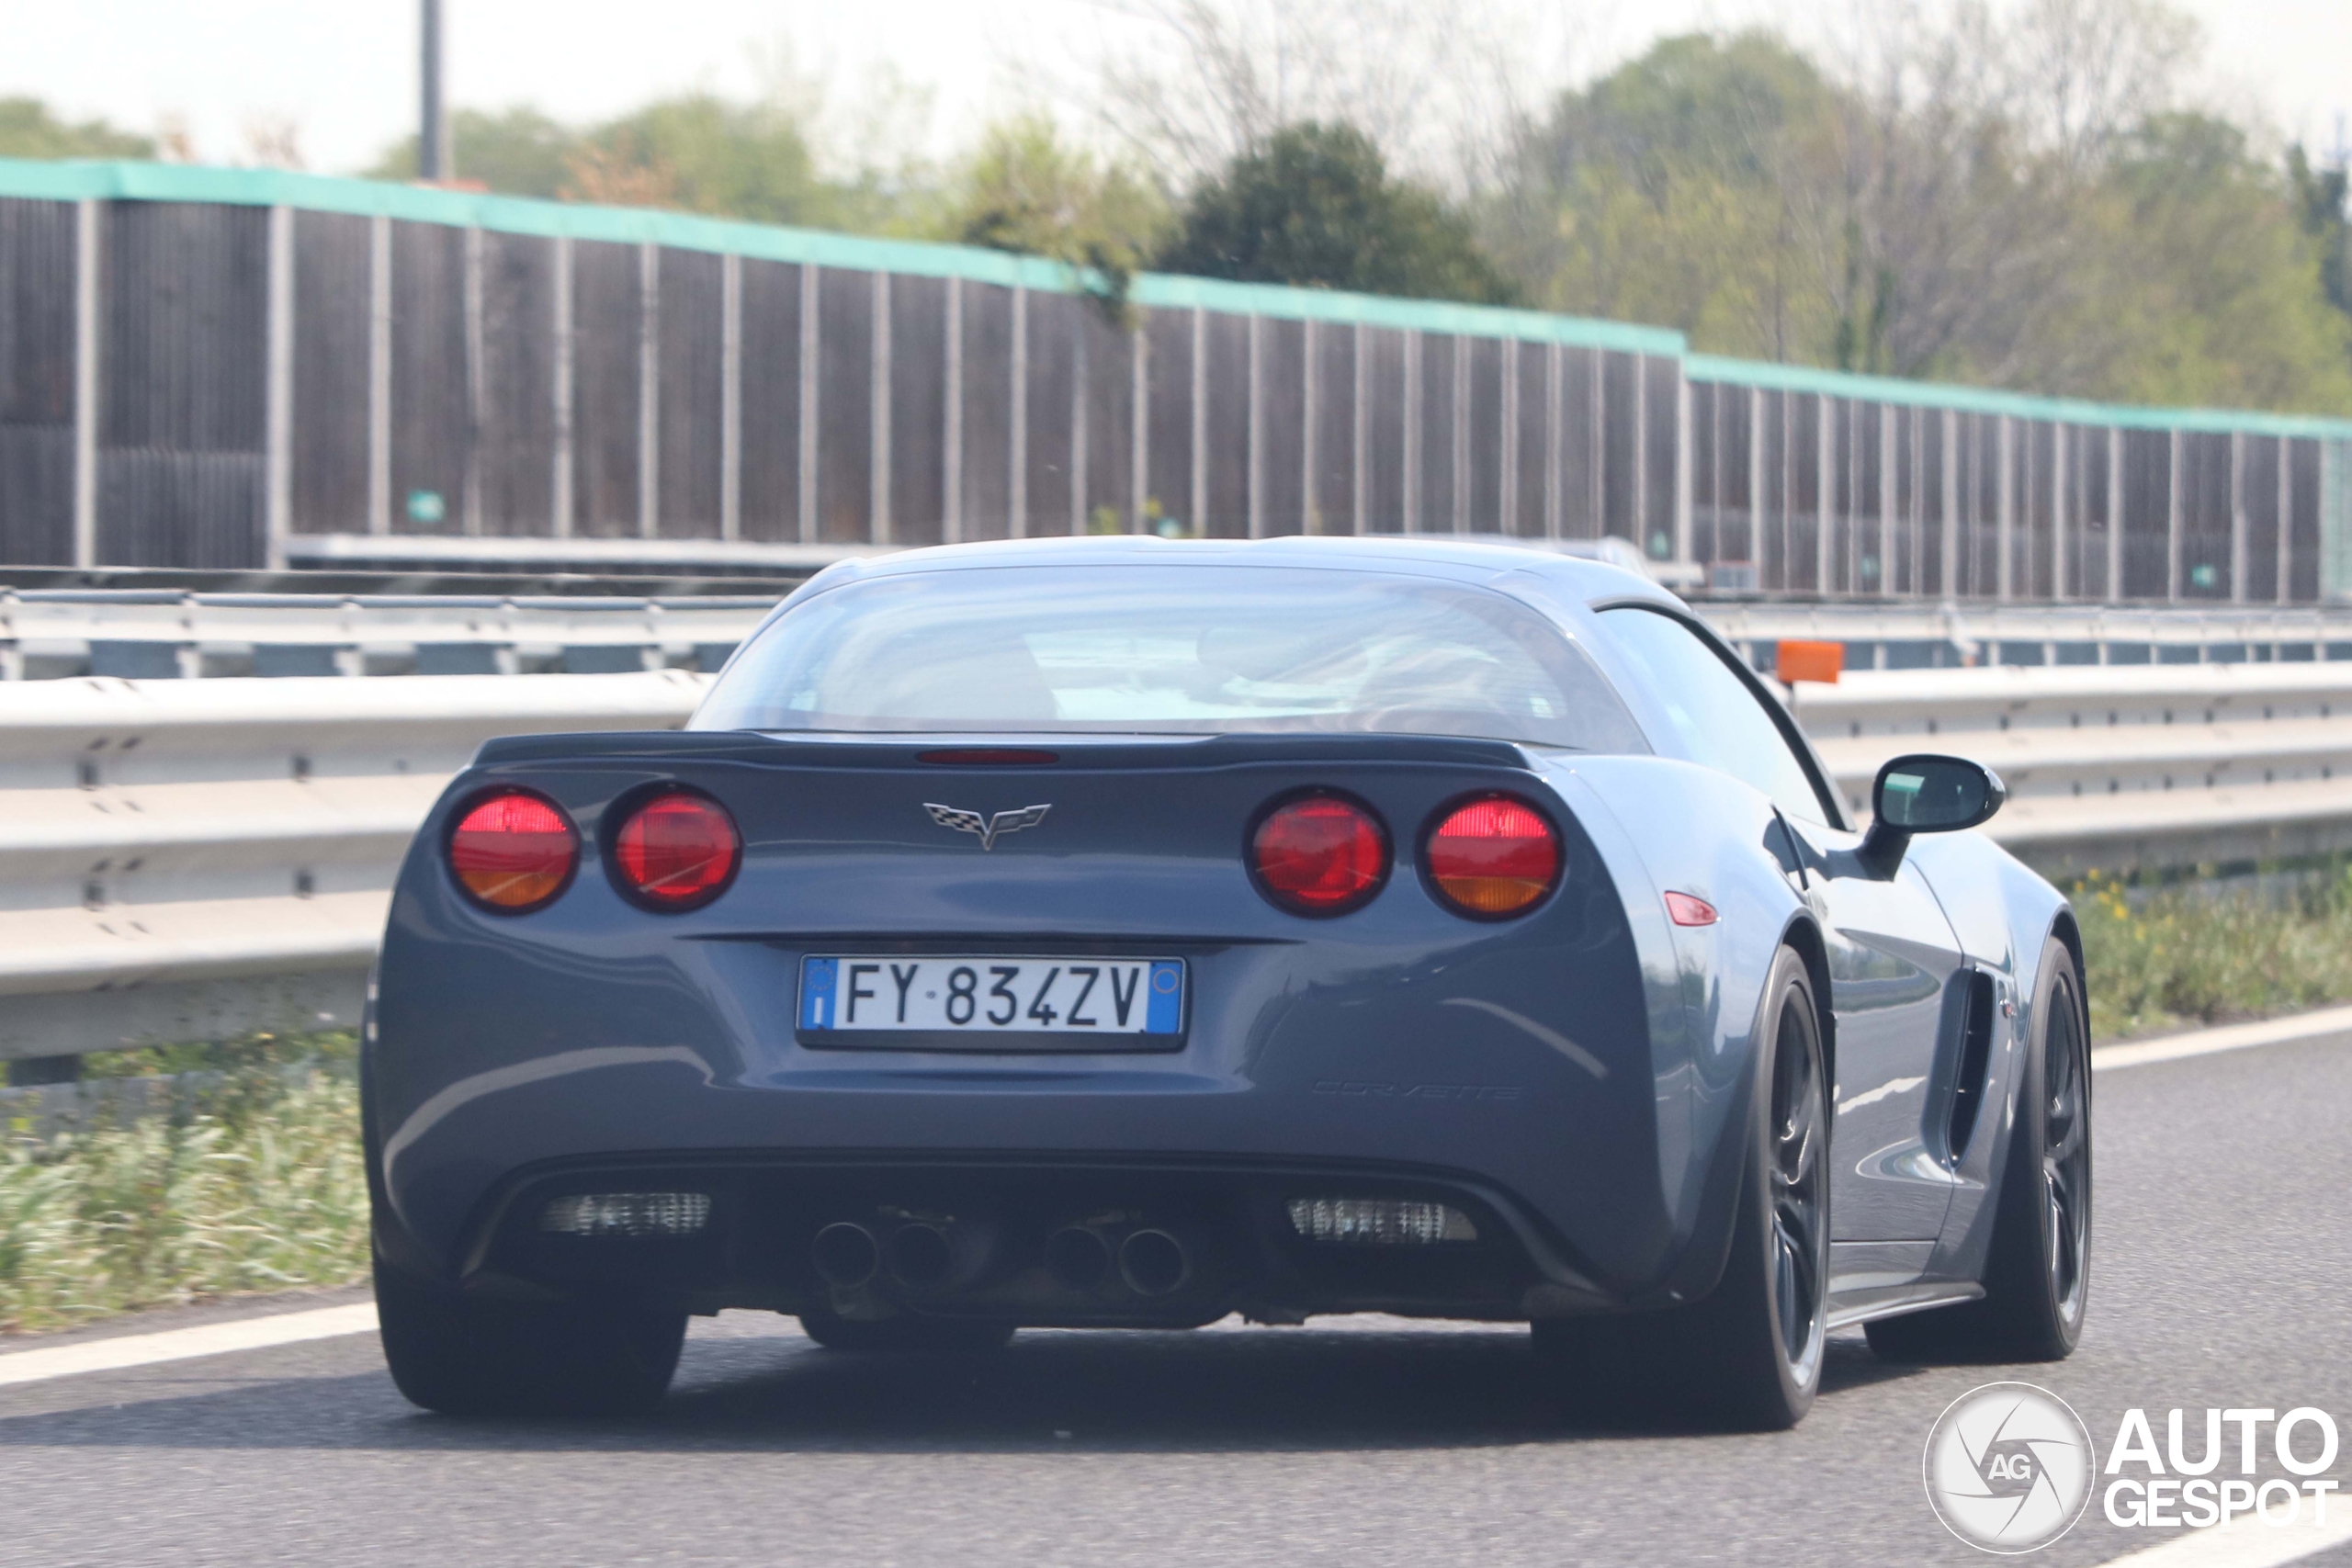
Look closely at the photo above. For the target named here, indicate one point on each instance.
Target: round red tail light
(1493, 857)
(1320, 855)
(678, 850)
(513, 852)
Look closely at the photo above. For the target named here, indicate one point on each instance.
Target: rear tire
(1748, 1356)
(906, 1335)
(463, 1356)
(2037, 1273)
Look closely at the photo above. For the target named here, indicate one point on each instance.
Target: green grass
(254, 1183)
(2186, 955)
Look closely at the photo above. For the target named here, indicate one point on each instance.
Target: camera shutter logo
(2008, 1467)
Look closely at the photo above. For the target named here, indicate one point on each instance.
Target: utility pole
(433, 160)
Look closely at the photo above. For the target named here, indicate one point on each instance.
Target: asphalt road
(2221, 1277)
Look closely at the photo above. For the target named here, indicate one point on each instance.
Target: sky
(342, 72)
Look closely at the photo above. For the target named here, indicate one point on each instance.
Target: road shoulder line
(2229, 1037)
(2242, 1544)
(185, 1344)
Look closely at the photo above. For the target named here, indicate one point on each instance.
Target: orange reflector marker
(1796, 660)
(1685, 910)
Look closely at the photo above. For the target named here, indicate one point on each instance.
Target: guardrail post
(2237, 517)
(2114, 515)
(951, 521)
(1552, 390)
(477, 381)
(1461, 433)
(1254, 478)
(1359, 469)
(811, 341)
(1682, 469)
(877, 528)
(1199, 476)
(1410, 499)
(1310, 386)
(2061, 515)
(278, 462)
(380, 374)
(2284, 514)
(649, 391)
(1017, 525)
(730, 396)
(560, 485)
(2173, 515)
(85, 384)
(1140, 427)
(1825, 490)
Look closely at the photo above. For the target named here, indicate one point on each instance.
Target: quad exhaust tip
(846, 1255)
(1153, 1262)
(1078, 1258)
(919, 1254)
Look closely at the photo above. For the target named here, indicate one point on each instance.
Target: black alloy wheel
(2066, 1154)
(2038, 1266)
(1746, 1356)
(1798, 1177)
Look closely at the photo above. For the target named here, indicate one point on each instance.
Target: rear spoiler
(670, 746)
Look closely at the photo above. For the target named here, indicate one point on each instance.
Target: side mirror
(1926, 793)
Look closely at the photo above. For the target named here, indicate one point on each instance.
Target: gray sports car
(1127, 932)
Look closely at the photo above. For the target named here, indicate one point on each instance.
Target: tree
(2318, 197)
(28, 130)
(515, 151)
(2020, 205)
(1315, 205)
(1192, 84)
(1026, 189)
(1680, 190)
(701, 153)
(2213, 289)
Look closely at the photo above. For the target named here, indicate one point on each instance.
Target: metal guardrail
(2152, 766)
(195, 859)
(160, 634)
(1956, 634)
(153, 633)
(192, 858)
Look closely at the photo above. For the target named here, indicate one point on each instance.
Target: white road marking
(184, 1344)
(2229, 1037)
(2244, 1544)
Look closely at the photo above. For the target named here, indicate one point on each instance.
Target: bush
(254, 1182)
(2188, 954)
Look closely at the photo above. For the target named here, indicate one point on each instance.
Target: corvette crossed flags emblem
(990, 828)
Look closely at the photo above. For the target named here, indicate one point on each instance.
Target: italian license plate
(959, 1003)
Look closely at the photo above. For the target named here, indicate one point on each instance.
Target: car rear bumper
(1558, 1178)
(1025, 1239)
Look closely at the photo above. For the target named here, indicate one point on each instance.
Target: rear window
(1173, 650)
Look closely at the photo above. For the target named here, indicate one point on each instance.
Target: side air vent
(1975, 1056)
